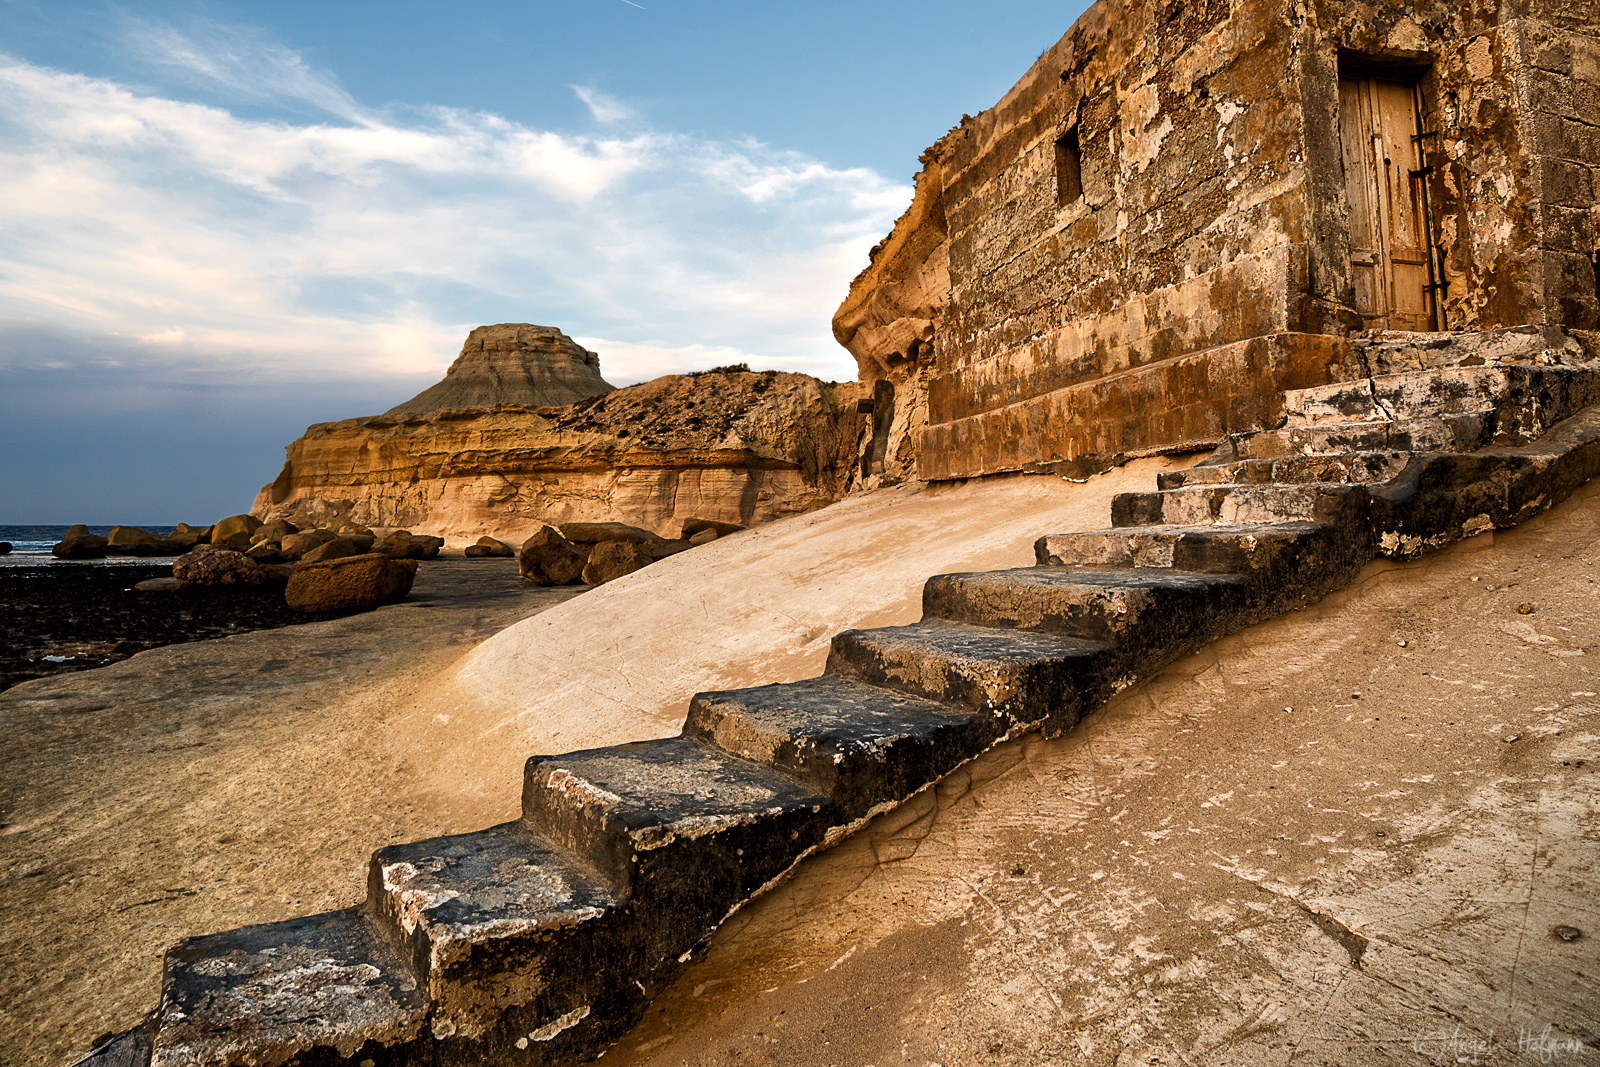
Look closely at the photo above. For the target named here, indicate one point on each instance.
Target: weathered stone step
(681, 825)
(858, 745)
(1247, 549)
(1353, 468)
(320, 988)
(1011, 678)
(505, 932)
(1519, 401)
(1450, 433)
(1098, 605)
(1230, 505)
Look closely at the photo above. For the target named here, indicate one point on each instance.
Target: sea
(30, 547)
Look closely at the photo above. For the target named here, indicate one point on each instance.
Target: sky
(221, 222)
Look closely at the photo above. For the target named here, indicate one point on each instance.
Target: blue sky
(220, 222)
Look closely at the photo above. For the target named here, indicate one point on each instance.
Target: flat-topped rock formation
(734, 446)
(513, 363)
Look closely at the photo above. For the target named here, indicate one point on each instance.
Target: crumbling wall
(1195, 263)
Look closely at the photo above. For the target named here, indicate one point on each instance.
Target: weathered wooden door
(1388, 227)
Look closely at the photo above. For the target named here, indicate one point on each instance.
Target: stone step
(1520, 401)
(858, 745)
(687, 829)
(1097, 605)
(1353, 468)
(503, 930)
(313, 989)
(1230, 505)
(1399, 351)
(1246, 549)
(1451, 433)
(1010, 678)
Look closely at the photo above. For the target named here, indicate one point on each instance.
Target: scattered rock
(704, 537)
(158, 585)
(610, 560)
(79, 543)
(216, 565)
(223, 532)
(295, 546)
(266, 552)
(274, 531)
(239, 542)
(351, 583)
(186, 537)
(1524, 609)
(489, 547)
(5, 546)
(695, 526)
(1567, 933)
(1403, 644)
(593, 533)
(1512, 739)
(547, 558)
(132, 541)
(403, 544)
(338, 548)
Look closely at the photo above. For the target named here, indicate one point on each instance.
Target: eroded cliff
(735, 446)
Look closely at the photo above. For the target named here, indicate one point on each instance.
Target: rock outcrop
(735, 447)
(513, 363)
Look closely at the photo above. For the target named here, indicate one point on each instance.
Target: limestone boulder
(691, 527)
(185, 537)
(231, 527)
(266, 552)
(488, 547)
(297, 545)
(403, 544)
(132, 541)
(547, 558)
(338, 548)
(353, 583)
(79, 543)
(276, 530)
(593, 533)
(216, 566)
(610, 560)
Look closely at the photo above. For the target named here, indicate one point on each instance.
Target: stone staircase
(542, 941)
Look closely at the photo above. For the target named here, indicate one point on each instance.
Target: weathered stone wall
(1205, 268)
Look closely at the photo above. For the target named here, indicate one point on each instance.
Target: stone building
(1187, 207)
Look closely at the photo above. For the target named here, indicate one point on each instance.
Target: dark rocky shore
(88, 616)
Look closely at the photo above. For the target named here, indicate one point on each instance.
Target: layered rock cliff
(733, 446)
(513, 363)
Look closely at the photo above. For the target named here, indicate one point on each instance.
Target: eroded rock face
(513, 363)
(739, 448)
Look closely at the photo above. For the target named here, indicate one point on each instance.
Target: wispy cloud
(362, 242)
(601, 106)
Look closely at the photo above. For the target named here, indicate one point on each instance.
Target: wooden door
(1388, 231)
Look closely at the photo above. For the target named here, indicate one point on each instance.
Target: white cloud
(366, 243)
(601, 106)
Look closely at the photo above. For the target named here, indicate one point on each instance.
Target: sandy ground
(220, 783)
(1200, 875)
(1193, 876)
